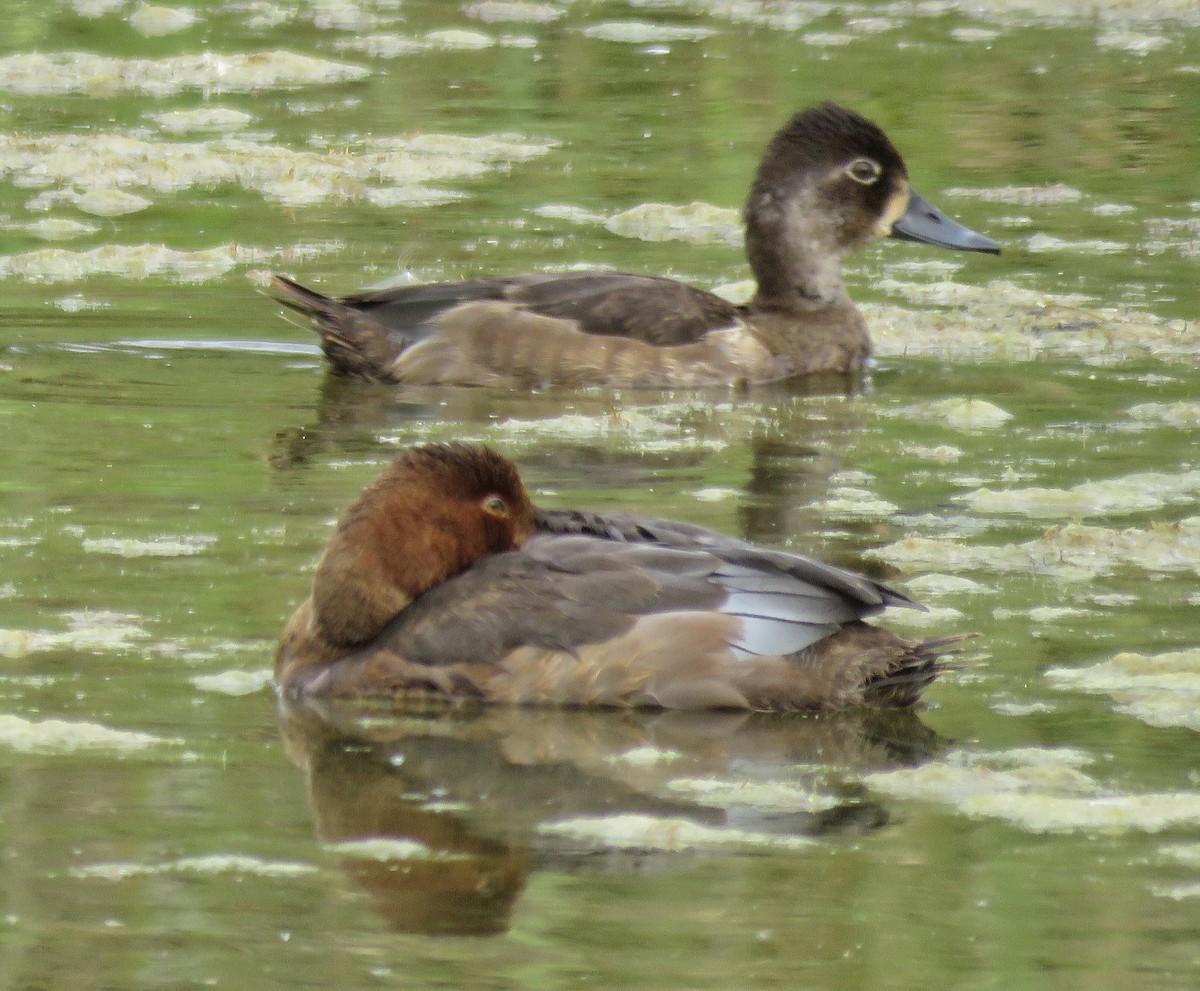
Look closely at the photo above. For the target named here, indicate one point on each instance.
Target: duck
(443, 582)
(830, 181)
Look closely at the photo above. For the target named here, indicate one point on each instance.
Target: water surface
(1022, 459)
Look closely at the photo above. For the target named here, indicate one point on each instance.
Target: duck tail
(296, 297)
(354, 343)
(921, 663)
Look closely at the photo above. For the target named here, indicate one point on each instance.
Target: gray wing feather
(739, 559)
(799, 606)
(765, 582)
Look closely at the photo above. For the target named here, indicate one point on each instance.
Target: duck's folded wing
(619, 304)
(572, 593)
(759, 566)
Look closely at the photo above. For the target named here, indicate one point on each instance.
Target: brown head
(434, 511)
(830, 181)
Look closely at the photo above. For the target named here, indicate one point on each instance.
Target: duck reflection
(786, 439)
(349, 416)
(440, 816)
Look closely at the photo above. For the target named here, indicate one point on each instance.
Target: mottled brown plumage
(442, 580)
(829, 182)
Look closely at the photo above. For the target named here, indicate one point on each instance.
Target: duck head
(434, 511)
(830, 181)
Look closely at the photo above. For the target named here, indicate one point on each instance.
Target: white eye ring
(864, 171)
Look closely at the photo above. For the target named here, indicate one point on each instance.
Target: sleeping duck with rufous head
(442, 581)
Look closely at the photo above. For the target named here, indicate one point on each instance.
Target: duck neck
(797, 264)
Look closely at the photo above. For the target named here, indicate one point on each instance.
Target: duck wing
(633, 528)
(365, 333)
(618, 304)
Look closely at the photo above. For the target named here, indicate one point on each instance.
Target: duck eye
(863, 170)
(495, 506)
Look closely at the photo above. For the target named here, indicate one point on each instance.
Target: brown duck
(442, 580)
(830, 181)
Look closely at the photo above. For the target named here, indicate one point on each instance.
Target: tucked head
(433, 512)
(481, 490)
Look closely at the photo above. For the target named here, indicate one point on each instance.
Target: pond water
(1023, 459)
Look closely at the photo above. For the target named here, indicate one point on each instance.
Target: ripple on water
(761, 795)
(1186, 855)
(974, 35)
(1037, 790)
(569, 212)
(1174, 234)
(216, 863)
(95, 172)
(513, 10)
(1040, 244)
(162, 546)
(1185, 413)
(41, 74)
(389, 848)
(102, 202)
(143, 261)
(1159, 689)
(86, 631)
(657, 430)
(97, 8)
(827, 39)
(642, 32)
(220, 120)
(1072, 552)
(938, 585)
(347, 15)
(694, 223)
(390, 45)
(55, 228)
(998, 292)
(961, 413)
(660, 834)
(1133, 42)
(60, 736)
(1135, 493)
(940, 453)
(1051, 194)
(1004, 322)
(154, 21)
(235, 682)
(849, 503)
(928, 618)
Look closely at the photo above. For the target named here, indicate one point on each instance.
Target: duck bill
(924, 222)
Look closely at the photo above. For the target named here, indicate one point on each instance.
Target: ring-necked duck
(442, 580)
(829, 182)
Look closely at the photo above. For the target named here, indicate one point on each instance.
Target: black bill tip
(924, 222)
